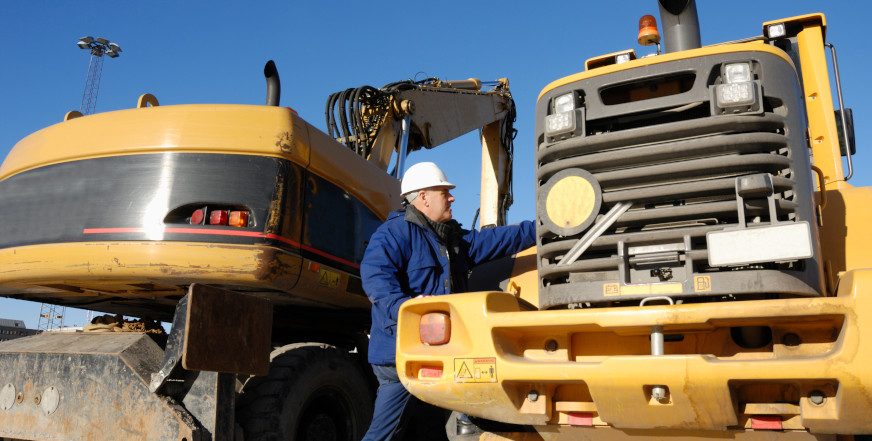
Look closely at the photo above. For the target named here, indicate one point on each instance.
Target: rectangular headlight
(776, 30)
(560, 123)
(736, 94)
(737, 73)
(564, 103)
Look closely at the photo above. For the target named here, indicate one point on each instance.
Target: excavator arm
(406, 116)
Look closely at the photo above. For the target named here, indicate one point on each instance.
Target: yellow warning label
(475, 370)
(702, 283)
(328, 278)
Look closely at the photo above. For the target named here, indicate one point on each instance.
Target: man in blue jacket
(420, 251)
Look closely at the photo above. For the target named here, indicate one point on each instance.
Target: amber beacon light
(648, 34)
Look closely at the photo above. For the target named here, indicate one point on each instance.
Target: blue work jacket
(404, 260)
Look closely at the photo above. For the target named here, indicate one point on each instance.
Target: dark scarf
(449, 234)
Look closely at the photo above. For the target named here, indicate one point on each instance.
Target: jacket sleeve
(381, 271)
(493, 243)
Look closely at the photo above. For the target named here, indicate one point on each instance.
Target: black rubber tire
(312, 393)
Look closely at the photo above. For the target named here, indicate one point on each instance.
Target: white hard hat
(423, 175)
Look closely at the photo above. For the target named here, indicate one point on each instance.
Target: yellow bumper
(592, 368)
(157, 273)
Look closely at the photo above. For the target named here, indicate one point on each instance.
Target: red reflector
(766, 422)
(435, 328)
(218, 217)
(430, 372)
(314, 267)
(197, 217)
(238, 219)
(579, 419)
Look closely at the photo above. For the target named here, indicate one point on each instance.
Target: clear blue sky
(213, 52)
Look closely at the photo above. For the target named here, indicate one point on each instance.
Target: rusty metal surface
(210, 398)
(227, 332)
(87, 387)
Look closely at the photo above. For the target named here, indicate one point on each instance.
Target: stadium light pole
(98, 47)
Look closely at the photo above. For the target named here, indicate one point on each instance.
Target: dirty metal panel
(226, 331)
(86, 387)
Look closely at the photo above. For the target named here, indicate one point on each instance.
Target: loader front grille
(676, 158)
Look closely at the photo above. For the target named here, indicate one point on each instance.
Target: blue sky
(214, 52)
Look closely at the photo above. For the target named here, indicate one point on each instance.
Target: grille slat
(653, 154)
(686, 190)
(676, 172)
(599, 264)
(725, 210)
(658, 133)
(557, 248)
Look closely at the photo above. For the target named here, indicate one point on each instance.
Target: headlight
(560, 123)
(564, 120)
(737, 73)
(737, 94)
(564, 103)
(776, 30)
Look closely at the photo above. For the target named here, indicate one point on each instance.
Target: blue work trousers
(398, 412)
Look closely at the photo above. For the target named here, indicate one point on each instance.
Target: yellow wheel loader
(702, 268)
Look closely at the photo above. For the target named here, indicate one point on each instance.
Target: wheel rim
(326, 416)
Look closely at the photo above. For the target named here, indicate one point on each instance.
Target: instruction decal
(475, 370)
(702, 283)
(328, 278)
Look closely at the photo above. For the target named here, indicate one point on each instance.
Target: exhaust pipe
(273, 85)
(680, 25)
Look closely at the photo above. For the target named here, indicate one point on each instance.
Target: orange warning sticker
(475, 370)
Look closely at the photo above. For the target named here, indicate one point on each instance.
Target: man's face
(436, 203)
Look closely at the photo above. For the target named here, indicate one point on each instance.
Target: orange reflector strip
(766, 422)
(430, 372)
(314, 267)
(579, 419)
(435, 328)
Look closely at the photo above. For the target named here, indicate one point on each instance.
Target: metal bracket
(755, 186)
(596, 231)
(206, 336)
(173, 351)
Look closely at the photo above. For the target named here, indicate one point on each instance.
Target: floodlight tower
(98, 48)
(51, 317)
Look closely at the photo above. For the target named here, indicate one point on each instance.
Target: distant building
(10, 329)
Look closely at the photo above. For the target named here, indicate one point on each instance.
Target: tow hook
(658, 392)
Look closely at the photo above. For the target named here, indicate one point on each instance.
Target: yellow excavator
(702, 268)
(242, 225)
